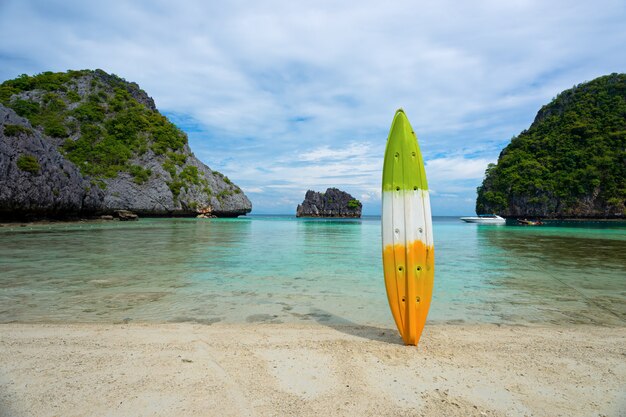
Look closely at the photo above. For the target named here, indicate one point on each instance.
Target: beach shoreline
(310, 369)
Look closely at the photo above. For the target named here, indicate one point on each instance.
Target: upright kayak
(407, 231)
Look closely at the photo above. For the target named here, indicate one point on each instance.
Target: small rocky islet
(87, 143)
(332, 203)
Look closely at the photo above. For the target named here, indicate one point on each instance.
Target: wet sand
(310, 370)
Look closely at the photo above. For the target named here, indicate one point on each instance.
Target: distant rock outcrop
(86, 143)
(332, 203)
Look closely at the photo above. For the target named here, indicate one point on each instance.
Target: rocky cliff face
(570, 163)
(52, 186)
(332, 203)
(86, 142)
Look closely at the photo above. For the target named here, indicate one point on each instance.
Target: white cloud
(328, 154)
(455, 168)
(249, 190)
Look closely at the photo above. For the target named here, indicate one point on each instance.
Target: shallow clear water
(283, 269)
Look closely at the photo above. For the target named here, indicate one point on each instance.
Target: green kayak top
(403, 168)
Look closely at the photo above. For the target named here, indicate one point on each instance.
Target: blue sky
(285, 96)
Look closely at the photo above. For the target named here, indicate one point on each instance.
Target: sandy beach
(305, 370)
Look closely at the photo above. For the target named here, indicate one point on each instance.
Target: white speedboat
(485, 219)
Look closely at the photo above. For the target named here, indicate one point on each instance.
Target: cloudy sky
(285, 96)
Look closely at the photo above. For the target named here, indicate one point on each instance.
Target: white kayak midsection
(406, 217)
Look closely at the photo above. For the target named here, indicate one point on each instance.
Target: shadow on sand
(353, 329)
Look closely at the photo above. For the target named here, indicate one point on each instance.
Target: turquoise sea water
(283, 269)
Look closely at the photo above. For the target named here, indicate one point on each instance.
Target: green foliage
(575, 148)
(16, 130)
(132, 118)
(141, 174)
(53, 102)
(99, 183)
(187, 176)
(50, 115)
(224, 193)
(120, 99)
(28, 163)
(170, 167)
(47, 81)
(190, 175)
(72, 126)
(73, 96)
(53, 126)
(89, 112)
(177, 158)
(111, 125)
(6, 92)
(98, 156)
(175, 187)
(165, 135)
(25, 108)
(354, 204)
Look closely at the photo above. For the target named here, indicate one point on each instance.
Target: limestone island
(87, 143)
(570, 163)
(332, 203)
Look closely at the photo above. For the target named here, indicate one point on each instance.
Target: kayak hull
(408, 249)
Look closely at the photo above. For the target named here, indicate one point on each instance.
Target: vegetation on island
(571, 162)
(102, 124)
(103, 129)
(354, 204)
(28, 163)
(16, 130)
